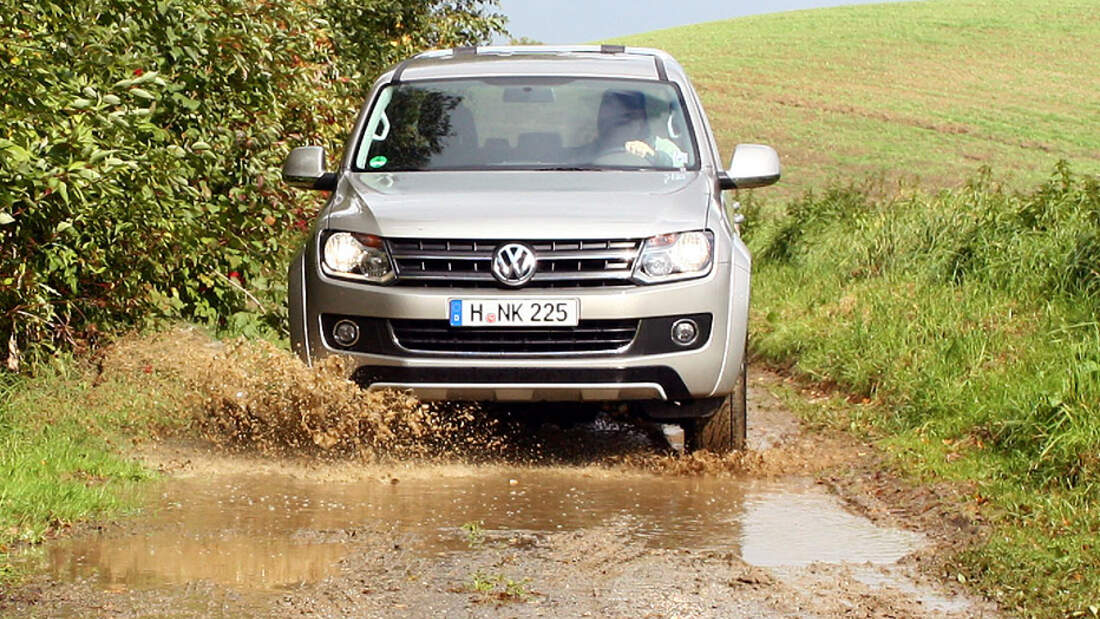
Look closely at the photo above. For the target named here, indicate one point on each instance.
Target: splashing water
(253, 395)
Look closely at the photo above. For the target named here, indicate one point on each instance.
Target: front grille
(587, 336)
(466, 264)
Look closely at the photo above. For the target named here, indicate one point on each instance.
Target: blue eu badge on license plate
(456, 313)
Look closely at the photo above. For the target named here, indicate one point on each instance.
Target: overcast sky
(581, 21)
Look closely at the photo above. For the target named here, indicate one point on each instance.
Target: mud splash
(253, 395)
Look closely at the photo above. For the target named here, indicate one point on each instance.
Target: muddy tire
(724, 430)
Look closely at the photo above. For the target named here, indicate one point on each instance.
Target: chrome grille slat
(450, 263)
(451, 275)
(442, 255)
(591, 254)
(544, 276)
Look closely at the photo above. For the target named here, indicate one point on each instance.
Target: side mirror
(305, 168)
(752, 165)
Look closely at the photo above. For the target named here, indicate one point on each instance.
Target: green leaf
(146, 77)
(200, 146)
(16, 152)
(63, 226)
(6, 218)
(142, 93)
(187, 102)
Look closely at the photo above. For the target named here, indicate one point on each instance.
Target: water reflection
(273, 531)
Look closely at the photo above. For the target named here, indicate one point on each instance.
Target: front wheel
(724, 430)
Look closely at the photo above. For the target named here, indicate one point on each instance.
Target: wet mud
(271, 531)
(483, 512)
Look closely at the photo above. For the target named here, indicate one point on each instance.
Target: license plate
(513, 312)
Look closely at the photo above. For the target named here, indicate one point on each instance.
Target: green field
(927, 256)
(917, 91)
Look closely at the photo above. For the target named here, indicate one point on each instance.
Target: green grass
(497, 586)
(970, 319)
(62, 441)
(965, 314)
(924, 92)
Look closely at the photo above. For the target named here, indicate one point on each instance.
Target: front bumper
(708, 368)
(528, 384)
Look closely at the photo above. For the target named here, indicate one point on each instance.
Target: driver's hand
(639, 148)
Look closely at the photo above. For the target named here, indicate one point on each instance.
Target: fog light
(346, 333)
(684, 332)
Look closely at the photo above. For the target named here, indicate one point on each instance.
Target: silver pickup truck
(535, 224)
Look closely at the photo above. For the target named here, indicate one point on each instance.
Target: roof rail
(536, 50)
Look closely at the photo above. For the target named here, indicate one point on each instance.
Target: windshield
(527, 123)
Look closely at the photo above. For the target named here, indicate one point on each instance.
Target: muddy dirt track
(602, 522)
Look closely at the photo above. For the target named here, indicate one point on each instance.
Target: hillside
(927, 91)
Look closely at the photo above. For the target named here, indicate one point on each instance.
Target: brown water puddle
(797, 524)
(267, 531)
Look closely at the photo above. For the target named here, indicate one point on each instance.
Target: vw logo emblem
(514, 264)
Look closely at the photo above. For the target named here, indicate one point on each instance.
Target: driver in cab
(622, 127)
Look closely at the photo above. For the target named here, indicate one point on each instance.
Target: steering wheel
(619, 155)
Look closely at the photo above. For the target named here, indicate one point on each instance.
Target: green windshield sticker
(378, 161)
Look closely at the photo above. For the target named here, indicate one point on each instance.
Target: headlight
(670, 257)
(357, 256)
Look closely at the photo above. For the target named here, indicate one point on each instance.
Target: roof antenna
(612, 49)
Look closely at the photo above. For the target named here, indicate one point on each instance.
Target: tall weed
(976, 308)
(972, 318)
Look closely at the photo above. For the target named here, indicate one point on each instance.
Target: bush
(140, 142)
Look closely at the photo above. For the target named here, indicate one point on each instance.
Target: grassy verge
(61, 434)
(928, 91)
(969, 320)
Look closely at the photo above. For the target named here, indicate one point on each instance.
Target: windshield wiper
(568, 168)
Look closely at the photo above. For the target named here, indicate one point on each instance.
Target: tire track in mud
(402, 509)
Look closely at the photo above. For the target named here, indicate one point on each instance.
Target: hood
(520, 204)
